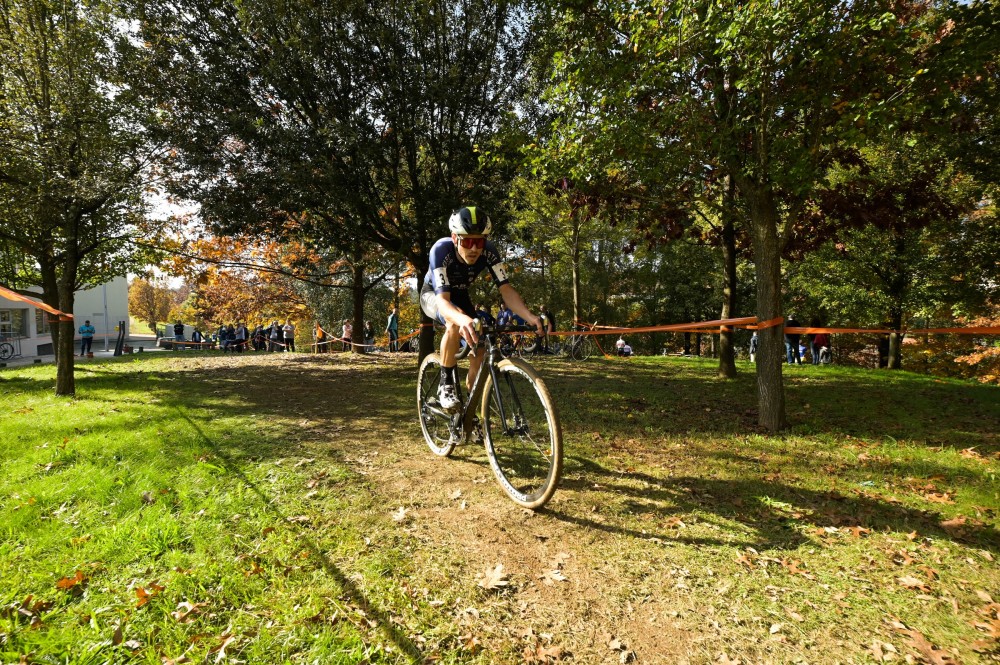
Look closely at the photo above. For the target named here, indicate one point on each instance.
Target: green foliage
(358, 119)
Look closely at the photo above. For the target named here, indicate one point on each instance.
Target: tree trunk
(727, 352)
(771, 345)
(426, 337)
(66, 353)
(575, 263)
(358, 292)
(50, 296)
(896, 340)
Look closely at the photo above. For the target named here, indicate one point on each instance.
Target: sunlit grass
(186, 506)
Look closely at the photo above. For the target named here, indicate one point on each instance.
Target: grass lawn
(283, 508)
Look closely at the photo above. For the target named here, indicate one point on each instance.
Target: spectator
(392, 328)
(504, 315)
(197, 338)
(274, 337)
(369, 335)
(484, 315)
(627, 350)
(87, 338)
(550, 326)
(178, 332)
(223, 338)
(620, 346)
(259, 338)
(289, 332)
(754, 342)
(241, 336)
(321, 342)
(346, 333)
(822, 343)
(792, 342)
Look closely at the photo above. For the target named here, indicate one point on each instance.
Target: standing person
(392, 328)
(223, 338)
(550, 326)
(346, 333)
(455, 262)
(484, 315)
(822, 343)
(241, 336)
(273, 336)
(504, 315)
(197, 338)
(792, 342)
(289, 331)
(258, 338)
(369, 335)
(754, 342)
(321, 343)
(620, 346)
(178, 332)
(87, 338)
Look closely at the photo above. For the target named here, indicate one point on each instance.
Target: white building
(104, 306)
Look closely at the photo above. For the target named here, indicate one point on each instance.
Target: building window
(42, 322)
(14, 322)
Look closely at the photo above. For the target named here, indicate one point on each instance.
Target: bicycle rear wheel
(584, 349)
(6, 351)
(435, 423)
(523, 437)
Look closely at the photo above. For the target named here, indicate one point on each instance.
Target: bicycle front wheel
(435, 422)
(6, 351)
(584, 349)
(523, 437)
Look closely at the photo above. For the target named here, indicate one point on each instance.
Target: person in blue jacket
(86, 338)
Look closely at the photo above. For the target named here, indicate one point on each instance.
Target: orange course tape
(14, 295)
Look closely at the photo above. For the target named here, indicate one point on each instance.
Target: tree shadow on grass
(777, 513)
(673, 399)
(384, 620)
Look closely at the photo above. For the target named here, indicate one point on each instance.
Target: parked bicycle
(6, 351)
(509, 410)
(577, 347)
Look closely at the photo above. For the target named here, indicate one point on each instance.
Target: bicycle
(577, 347)
(6, 351)
(509, 410)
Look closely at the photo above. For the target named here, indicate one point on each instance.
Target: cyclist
(455, 262)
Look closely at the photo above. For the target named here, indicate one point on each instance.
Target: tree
(73, 157)
(149, 301)
(361, 120)
(768, 91)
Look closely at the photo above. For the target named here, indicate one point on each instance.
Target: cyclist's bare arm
(457, 317)
(516, 304)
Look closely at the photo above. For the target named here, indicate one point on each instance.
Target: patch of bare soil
(559, 594)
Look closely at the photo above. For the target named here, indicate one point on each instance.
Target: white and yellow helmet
(469, 222)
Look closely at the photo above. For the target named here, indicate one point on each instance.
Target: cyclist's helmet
(469, 222)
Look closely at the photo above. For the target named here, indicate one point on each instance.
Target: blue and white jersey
(448, 274)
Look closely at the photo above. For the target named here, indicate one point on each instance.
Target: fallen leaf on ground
(401, 514)
(554, 576)
(933, 655)
(187, 612)
(911, 582)
(75, 584)
(494, 579)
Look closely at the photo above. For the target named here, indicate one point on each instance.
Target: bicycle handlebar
(498, 330)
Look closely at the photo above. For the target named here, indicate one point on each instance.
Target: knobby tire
(525, 451)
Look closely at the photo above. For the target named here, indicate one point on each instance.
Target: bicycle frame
(467, 416)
